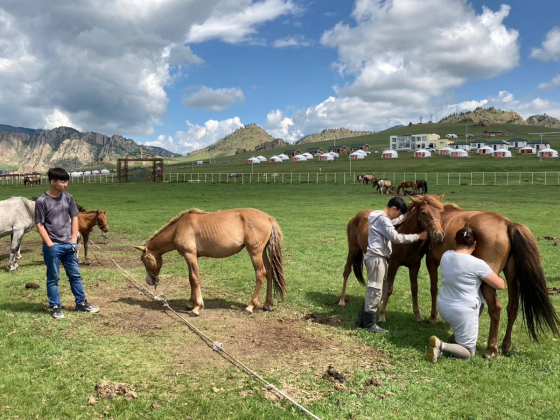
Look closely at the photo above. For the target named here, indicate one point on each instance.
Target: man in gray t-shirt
(56, 217)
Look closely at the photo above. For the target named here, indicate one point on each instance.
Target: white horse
(383, 183)
(17, 217)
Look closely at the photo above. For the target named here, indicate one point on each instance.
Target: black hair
(465, 238)
(399, 203)
(58, 174)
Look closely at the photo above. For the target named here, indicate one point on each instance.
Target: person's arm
(495, 281)
(75, 225)
(44, 235)
(389, 231)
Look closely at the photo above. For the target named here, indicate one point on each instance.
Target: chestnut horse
(195, 233)
(507, 247)
(407, 184)
(87, 221)
(424, 213)
(422, 186)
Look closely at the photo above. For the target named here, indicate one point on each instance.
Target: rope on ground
(214, 345)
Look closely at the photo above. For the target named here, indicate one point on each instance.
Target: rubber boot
(370, 325)
(360, 319)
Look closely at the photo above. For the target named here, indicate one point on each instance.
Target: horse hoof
(267, 308)
(505, 350)
(195, 313)
(248, 312)
(190, 306)
(490, 354)
(422, 321)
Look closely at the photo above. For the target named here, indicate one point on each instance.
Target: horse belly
(223, 250)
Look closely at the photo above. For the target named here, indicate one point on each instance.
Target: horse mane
(451, 206)
(174, 220)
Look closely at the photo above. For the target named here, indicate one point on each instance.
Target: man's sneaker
(86, 307)
(56, 312)
(434, 351)
(376, 329)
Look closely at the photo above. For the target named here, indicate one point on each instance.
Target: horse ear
(415, 200)
(140, 248)
(440, 198)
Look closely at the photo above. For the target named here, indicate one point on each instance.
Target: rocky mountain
(332, 134)
(486, 117)
(249, 138)
(543, 121)
(30, 131)
(274, 144)
(68, 148)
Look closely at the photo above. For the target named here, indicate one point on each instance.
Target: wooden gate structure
(156, 175)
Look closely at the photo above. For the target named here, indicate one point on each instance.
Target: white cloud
(58, 119)
(280, 126)
(293, 41)
(237, 25)
(406, 52)
(197, 136)
(214, 99)
(106, 64)
(550, 49)
(554, 82)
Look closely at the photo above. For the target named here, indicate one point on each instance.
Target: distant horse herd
(506, 246)
(385, 186)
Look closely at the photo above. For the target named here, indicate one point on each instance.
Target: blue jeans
(67, 255)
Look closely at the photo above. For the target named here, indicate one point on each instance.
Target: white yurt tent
(275, 159)
(261, 158)
(389, 154)
(548, 153)
(445, 151)
(105, 171)
(459, 153)
(527, 150)
(501, 153)
(485, 150)
(326, 157)
(360, 152)
(422, 153)
(299, 158)
(253, 161)
(309, 156)
(283, 156)
(355, 155)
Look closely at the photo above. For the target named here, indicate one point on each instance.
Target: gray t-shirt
(55, 213)
(461, 277)
(382, 233)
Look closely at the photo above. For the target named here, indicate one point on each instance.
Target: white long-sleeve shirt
(382, 233)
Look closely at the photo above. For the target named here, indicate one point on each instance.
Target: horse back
(357, 230)
(16, 213)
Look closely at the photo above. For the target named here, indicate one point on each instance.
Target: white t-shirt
(461, 277)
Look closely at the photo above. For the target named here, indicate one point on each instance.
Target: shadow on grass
(180, 305)
(23, 307)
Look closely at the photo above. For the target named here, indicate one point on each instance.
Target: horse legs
(195, 302)
(513, 302)
(494, 309)
(15, 246)
(268, 302)
(347, 270)
(86, 241)
(18, 254)
(258, 264)
(391, 274)
(432, 264)
(413, 276)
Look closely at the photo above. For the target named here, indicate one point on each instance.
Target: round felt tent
(501, 153)
(527, 150)
(261, 158)
(389, 154)
(309, 156)
(422, 153)
(299, 158)
(283, 156)
(253, 161)
(445, 151)
(355, 155)
(459, 153)
(275, 159)
(485, 150)
(548, 153)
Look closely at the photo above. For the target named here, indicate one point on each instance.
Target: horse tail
(274, 247)
(538, 312)
(358, 257)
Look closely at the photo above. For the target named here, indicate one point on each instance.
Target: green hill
(332, 134)
(486, 116)
(544, 121)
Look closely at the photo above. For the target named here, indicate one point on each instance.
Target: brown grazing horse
(422, 186)
(195, 233)
(424, 213)
(382, 183)
(506, 246)
(407, 184)
(32, 180)
(87, 221)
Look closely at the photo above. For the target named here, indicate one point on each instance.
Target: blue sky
(181, 74)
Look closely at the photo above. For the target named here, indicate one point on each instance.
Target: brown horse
(87, 221)
(422, 186)
(506, 246)
(32, 180)
(407, 184)
(424, 213)
(369, 178)
(382, 183)
(195, 233)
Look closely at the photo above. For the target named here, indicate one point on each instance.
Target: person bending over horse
(460, 302)
(381, 233)
(56, 216)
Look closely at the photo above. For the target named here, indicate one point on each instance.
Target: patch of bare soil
(108, 389)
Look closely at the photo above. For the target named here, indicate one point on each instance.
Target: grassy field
(49, 369)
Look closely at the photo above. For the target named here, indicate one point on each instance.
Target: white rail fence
(448, 179)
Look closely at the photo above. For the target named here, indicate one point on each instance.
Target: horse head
(374, 182)
(152, 263)
(102, 221)
(430, 210)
